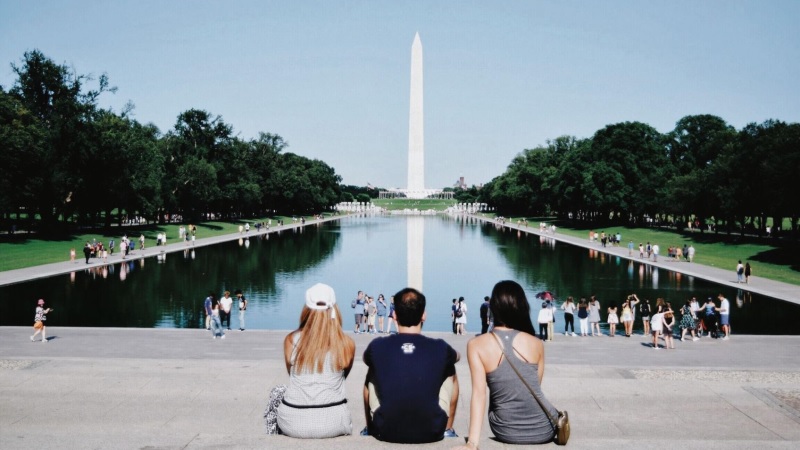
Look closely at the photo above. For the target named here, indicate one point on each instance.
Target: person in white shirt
(656, 325)
(225, 303)
(569, 316)
(545, 317)
(724, 311)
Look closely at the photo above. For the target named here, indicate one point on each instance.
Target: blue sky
(332, 77)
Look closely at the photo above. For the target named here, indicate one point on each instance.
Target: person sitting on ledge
(514, 415)
(318, 358)
(411, 389)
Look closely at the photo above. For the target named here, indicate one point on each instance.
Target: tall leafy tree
(194, 152)
(55, 95)
(693, 147)
(629, 170)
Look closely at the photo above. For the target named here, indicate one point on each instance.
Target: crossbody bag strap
(553, 421)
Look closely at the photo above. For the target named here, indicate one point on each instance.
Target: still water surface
(448, 257)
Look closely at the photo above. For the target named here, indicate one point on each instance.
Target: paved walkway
(176, 389)
(727, 277)
(49, 270)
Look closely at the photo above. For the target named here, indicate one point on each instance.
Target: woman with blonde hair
(318, 358)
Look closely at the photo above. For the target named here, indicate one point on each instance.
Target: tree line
(704, 171)
(68, 163)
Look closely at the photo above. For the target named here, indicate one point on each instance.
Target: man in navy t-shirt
(411, 390)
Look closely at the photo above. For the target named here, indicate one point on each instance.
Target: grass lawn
(767, 261)
(407, 203)
(28, 250)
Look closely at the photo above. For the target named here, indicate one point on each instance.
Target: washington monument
(416, 139)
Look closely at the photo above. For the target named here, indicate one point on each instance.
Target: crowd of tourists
(373, 316)
(659, 320)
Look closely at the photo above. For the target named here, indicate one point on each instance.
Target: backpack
(645, 309)
(459, 313)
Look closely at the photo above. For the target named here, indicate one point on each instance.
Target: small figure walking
(39, 320)
(739, 272)
(747, 272)
(72, 255)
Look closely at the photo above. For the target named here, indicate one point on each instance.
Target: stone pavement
(172, 388)
(727, 276)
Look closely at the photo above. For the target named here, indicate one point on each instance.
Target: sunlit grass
(29, 250)
(407, 203)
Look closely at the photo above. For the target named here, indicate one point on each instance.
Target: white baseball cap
(320, 296)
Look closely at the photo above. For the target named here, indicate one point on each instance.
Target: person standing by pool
(583, 317)
(724, 315)
(226, 304)
(485, 315)
(627, 313)
(382, 308)
(87, 251)
(747, 272)
(242, 308)
(656, 325)
(594, 316)
(207, 309)
(370, 310)
(453, 315)
(668, 322)
(645, 309)
(216, 325)
(358, 305)
(569, 318)
(461, 316)
(39, 319)
(390, 318)
(613, 320)
(688, 320)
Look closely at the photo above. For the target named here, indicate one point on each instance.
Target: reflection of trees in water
(568, 270)
(254, 269)
(148, 293)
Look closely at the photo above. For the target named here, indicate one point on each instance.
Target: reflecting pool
(446, 257)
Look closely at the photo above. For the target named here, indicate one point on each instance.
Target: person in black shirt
(411, 389)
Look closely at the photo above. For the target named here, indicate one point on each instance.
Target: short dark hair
(409, 305)
(510, 307)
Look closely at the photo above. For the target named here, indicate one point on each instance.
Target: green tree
(693, 147)
(54, 95)
(630, 165)
(22, 140)
(194, 152)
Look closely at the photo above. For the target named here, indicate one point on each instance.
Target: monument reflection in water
(447, 257)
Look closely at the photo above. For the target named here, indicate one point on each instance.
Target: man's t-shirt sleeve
(452, 357)
(368, 355)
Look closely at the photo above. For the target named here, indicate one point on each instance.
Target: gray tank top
(514, 415)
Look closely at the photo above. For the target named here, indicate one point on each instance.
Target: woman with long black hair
(494, 359)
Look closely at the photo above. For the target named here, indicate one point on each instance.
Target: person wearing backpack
(461, 316)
